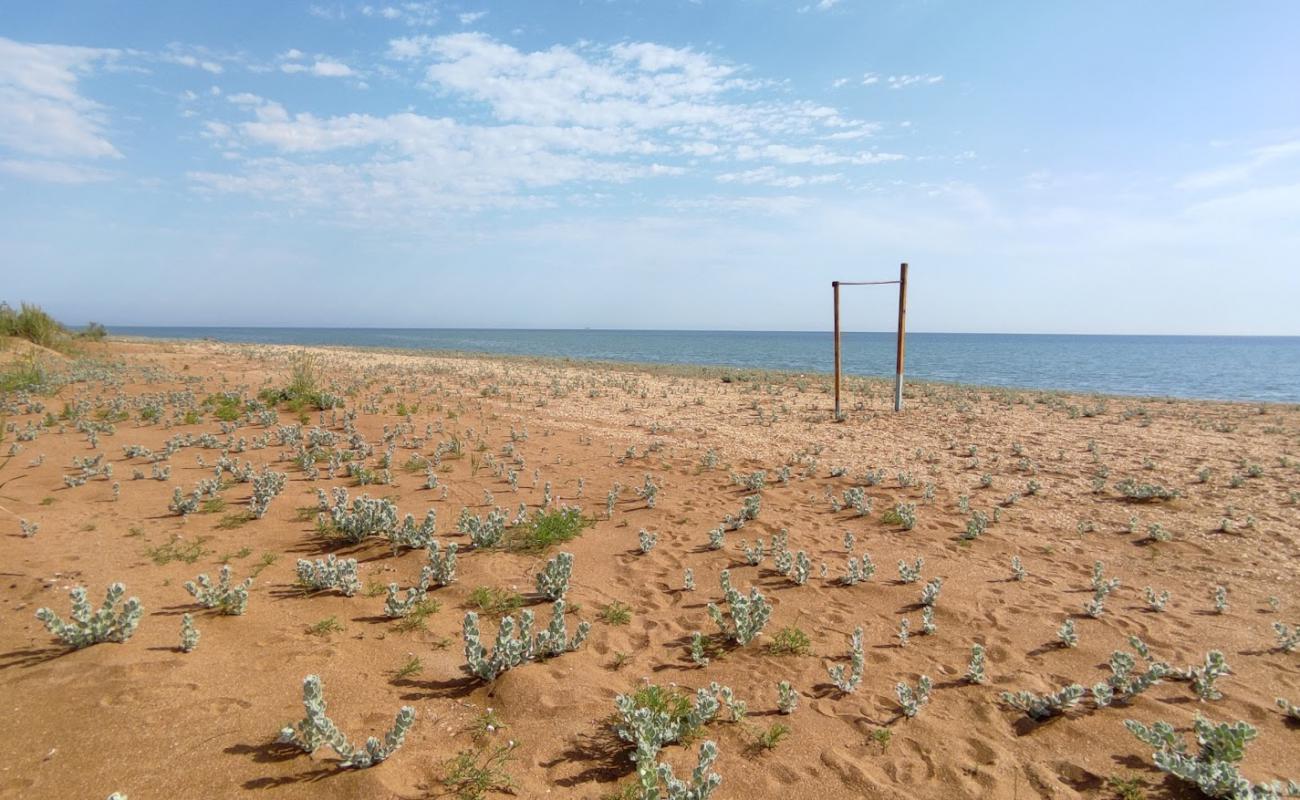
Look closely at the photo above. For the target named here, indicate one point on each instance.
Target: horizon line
(111, 326)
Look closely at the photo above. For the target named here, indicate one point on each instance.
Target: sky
(1101, 167)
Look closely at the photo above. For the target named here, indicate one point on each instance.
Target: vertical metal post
(835, 287)
(902, 339)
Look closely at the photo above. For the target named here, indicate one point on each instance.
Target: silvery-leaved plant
(650, 729)
(441, 568)
(1156, 602)
(365, 517)
(910, 573)
(412, 536)
(688, 580)
(397, 605)
(753, 555)
(1288, 636)
(265, 488)
(1289, 710)
(646, 540)
(28, 528)
(747, 615)
(800, 569)
(1220, 599)
(928, 627)
(1204, 676)
(912, 700)
(317, 730)
(1213, 768)
(1017, 569)
(858, 570)
(483, 532)
(227, 598)
(1125, 681)
(1041, 707)
(848, 541)
(975, 669)
(717, 539)
(553, 579)
(189, 634)
(514, 648)
(330, 573)
(787, 699)
(1067, 635)
(930, 592)
(86, 626)
(699, 649)
(182, 504)
(848, 682)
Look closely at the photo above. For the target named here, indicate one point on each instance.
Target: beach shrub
(903, 514)
(858, 571)
(227, 598)
(1124, 682)
(266, 487)
(912, 700)
(848, 682)
(1067, 635)
(1041, 707)
(1017, 569)
(975, 668)
(441, 569)
(930, 592)
(747, 615)
(646, 540)
(1288, 636)
(514, 648)
(317, 730)
(30, 322)
(189, 634)
(1213, 768)
(910, 573)
(1146, 492)
(331, 573)
(553, 579)
(1156, 602)
(86, 626)
(787, 699)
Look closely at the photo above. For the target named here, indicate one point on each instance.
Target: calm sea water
(1210, 367)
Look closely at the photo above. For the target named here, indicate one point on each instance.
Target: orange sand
(147, 720)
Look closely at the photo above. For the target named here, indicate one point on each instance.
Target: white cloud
(903, 81)
(821, 5)
(470, 17)
(1243, 170)
(42, 112)
(559, 122)
(322, 68)
(415, 14)
(53, 171)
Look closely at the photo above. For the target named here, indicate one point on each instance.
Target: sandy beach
(1046, 470)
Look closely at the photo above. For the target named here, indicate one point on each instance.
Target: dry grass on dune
(146, 719)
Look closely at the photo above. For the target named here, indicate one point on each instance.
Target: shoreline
(688, 370)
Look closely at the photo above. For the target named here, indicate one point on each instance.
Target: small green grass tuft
(177, 549)
(495, 601)
(325, 627)
(546, 529)
(616, 613)
(789, 641)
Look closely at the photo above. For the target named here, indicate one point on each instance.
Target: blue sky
(1106, 167)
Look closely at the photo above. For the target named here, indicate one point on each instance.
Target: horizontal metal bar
(862, 283)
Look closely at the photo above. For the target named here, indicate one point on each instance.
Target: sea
(1242, 368)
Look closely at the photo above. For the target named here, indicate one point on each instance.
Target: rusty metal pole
(835, 287)
(902, 339)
